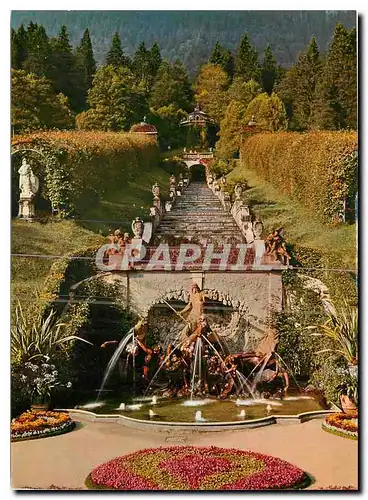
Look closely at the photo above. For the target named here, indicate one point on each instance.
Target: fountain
(196, 367)
(198, 416)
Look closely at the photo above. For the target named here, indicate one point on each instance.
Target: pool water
(212, 409)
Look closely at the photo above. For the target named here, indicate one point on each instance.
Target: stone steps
(198, 213)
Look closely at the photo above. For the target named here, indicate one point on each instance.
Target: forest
(191, 35)
(61, 84)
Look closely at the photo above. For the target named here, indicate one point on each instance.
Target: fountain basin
(217, 414)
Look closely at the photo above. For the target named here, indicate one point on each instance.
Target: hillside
(191, 35)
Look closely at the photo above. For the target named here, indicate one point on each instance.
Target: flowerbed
(196, 468)
(342, 424)
(33, 424)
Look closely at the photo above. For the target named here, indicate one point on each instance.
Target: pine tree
(246, 61)
(171, 86)
(115, 57)
(155, 58)
(18, 47)
(38, 60)
(338, 91)
(142, 67)
(86, 66)
(64, 72)
(223, 58)
(268, 71)
(308, 71)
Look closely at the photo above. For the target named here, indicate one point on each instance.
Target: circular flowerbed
(34, 424)
(342, 424)
(194, 468)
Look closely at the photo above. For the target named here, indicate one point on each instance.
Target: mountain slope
(191, 35)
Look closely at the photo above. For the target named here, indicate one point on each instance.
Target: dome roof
(144, 128)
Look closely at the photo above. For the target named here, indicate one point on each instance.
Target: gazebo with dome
(144, 128)
(197, 117)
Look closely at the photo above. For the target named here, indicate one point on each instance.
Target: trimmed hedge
(319, 169)
(77, 167)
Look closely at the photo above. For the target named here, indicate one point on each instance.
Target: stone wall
(253, 295)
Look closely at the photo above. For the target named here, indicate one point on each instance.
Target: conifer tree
(246, 61)
(86, 66)
(155, 58)
(38, 60)
(115, 57)
(268, 71)
(223, 58)
(338, 91)
(171, 86)
(18, 47)
(64, 71)
(142, 67)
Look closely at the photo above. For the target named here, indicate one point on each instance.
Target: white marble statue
(28, 181)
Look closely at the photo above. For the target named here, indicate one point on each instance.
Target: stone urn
(137, 227)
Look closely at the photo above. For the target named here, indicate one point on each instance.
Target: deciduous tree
(35, 105)
(269, 112)
(115, 101)
(211, 90)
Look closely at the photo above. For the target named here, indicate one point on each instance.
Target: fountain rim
(205, 426)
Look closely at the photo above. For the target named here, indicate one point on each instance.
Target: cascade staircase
(198, 216)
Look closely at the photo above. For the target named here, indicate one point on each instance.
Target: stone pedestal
(26, 208)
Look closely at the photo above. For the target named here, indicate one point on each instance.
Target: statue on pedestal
(156, 190)
(238, 190)
(28, 185)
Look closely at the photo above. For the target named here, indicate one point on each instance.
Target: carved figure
(28, 181)
(257, 229)
(238, 190)
(275, 244)
(156, 190)
(137, 227)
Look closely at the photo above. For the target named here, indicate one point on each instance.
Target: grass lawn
(300, 224)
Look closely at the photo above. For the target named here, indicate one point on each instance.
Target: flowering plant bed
(196, 468)
(36, 424)
(342, 424)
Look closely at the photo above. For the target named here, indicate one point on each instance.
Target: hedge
(77, 167)
(319, 169)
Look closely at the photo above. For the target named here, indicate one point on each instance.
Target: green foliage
(64, 73)
(241, 94)
(115, 101)
(268, 71)
(171, 87)
(72, 164)
(43, 339)
(211, 88)
(341, 328)
(246, 61)
(115, 57)
(36, 106)
(191, 35)
(223, 58)
(269, 112)
(337, 104)
(330, 177)
(86, 66)
(167, 121)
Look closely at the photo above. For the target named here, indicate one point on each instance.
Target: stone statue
(257, 229)
(28, 181)
(156, 190)
(172, 180)
(238, 190)
(137, 227)
(275, 244)
(168, 206)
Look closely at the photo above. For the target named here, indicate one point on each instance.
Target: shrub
(320, 169)
(78, 167)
